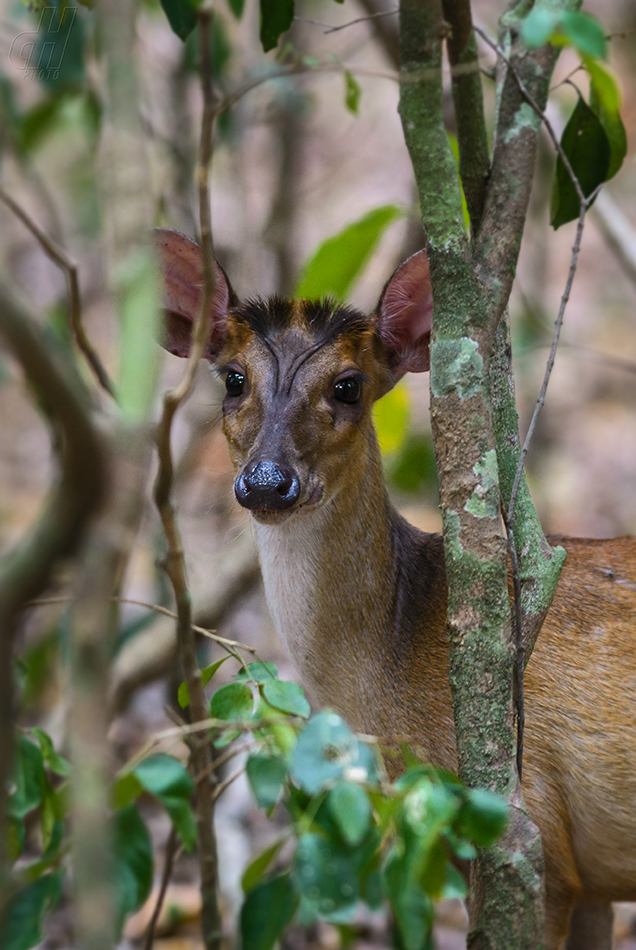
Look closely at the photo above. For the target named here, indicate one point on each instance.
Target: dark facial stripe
(324, 320)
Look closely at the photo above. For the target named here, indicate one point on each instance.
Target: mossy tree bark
(474, 418)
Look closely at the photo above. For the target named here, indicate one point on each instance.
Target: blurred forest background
(293, 165)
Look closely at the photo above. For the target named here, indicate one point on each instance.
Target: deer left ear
(403, 316)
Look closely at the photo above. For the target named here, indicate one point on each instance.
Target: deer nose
(267, 486)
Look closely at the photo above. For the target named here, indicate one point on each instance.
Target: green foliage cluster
(594, 139)
(353, 837)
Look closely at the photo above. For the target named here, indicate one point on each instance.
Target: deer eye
(348, 389)
(234, 383)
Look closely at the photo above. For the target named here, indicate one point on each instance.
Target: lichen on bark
(471, 284)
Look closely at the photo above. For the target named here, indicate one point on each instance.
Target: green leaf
(166, 778)
(259, 865)
(585, 33)
(266, 775)
(586, 146)
(279, 727)
(604, 102)
(288, 697)
(233, 702)
(276, 18)
(57, 763)
(327, 750)
(350, 806)
(391, 417)
(428, 807)
(267, 911)
(412, 908)
(182, 16)
(133, 861)
(16, 838)
(236, 6)
(338, 262)
(564, 28)
(462, 848)
(484, 816)
(538, 26)
(125, 790)
(324, 876)
(22, 925)
(60, 42)
(256, 673)
(28, 778)
(432, 876)
(41, 119)
(352, 93)
(455, 885)
(183, 696)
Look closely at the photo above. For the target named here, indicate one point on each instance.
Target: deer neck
(330, 582)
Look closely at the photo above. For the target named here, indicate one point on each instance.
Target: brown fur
(369, 631)
(359, 596)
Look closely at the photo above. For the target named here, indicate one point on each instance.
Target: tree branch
(175, 561)
(481, 645)
(27, 570)
(168, 864)
(474, 159)
(58, 255)
(523, 75)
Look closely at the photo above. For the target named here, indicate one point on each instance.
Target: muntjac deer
(358, 595)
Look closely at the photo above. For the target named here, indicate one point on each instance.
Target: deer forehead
(297, 348)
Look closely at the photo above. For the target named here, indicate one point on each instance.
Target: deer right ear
(182, 269)
(403, 316)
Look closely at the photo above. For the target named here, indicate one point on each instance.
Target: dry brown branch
(175, 561)
(61, 259)
(168, 865)
(585, 203)
(343, 26)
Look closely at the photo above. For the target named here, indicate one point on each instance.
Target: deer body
(358, 595)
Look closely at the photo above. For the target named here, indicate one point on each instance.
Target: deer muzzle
(267, 486)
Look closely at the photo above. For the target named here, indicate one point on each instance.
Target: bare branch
(220, 788)
(585, 203)
(58, 255)
(168, 865)
(229, 645)
(175, 562)
(344, 26)
(297, 69)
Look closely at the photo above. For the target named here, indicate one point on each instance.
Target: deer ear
(403, 316)
(182, 269)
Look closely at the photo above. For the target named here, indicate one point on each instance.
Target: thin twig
(61, 259)
(230, 645)
(585, 203)
(297, 69)
(171, 850)
(343, 26)
(211, 922)
(221, 786)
